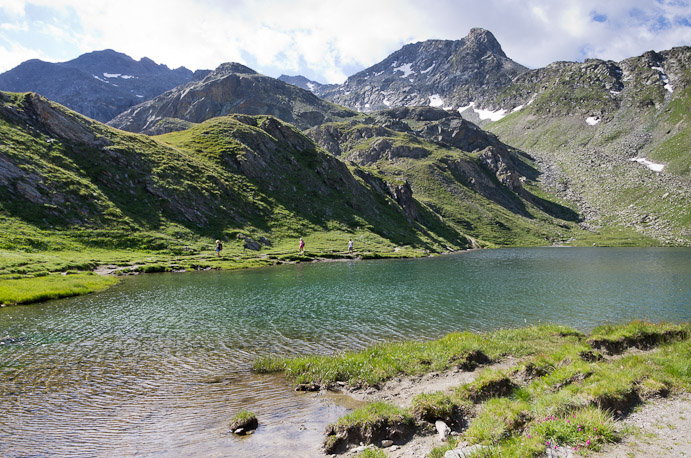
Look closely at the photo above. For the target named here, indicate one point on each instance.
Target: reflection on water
(157, 365)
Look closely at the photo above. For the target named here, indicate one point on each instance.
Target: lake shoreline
(177, 351)
(171, 265)
(426, 396)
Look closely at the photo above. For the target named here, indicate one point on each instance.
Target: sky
(327, 40)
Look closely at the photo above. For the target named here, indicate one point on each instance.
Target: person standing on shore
(350, 246)
(219, 247)
(301, 245)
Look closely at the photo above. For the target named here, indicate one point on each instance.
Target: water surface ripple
(157, 365)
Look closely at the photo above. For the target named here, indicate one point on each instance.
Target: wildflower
(587, 443)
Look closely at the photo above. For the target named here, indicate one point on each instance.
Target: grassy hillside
(586, 123)
(76, 194)
(487, 193)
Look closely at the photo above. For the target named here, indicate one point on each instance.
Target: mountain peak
(234, 67)
(437, 73)
(484, 39)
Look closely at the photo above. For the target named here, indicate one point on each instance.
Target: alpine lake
(157, 365)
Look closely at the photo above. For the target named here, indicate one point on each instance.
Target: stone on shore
(443, 430)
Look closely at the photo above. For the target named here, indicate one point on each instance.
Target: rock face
(100, 84)
(231, 88)
(443, 430)
(439, 73)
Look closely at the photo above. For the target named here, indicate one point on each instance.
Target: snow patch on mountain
(664, 78)
(118, 75)
(592, 120)
(484, 114)
(436, 100)
(428, 69)
(405, 68)
(651, 165)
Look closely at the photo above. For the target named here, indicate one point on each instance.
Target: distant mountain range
(100, 84)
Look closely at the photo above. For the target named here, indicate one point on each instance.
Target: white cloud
(12, 7)
(328, 41)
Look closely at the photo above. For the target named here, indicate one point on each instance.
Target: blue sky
(327, 40)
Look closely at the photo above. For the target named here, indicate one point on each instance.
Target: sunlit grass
(384, 361)
(35, 289)
(558, 395)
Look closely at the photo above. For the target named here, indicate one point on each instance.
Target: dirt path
(401, 391)
(661, 428)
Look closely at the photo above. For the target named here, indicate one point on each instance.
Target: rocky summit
(100, 84)
(231, 88)
(438, 73)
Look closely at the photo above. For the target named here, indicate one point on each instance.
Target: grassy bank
(567, 389)
(51, 286)
(28, 276)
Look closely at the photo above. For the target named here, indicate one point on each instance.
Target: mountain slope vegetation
(595, 125)
(257, 178)
(468, 178)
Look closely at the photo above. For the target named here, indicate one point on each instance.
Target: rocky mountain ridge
(438, 73)
(231, 88)
(100, 84)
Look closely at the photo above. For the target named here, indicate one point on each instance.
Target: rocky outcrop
(231, 88)
(500, 163)
(439, 126)
(403, 195)
(244, 423)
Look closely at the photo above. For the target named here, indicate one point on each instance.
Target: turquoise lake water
(158, 364)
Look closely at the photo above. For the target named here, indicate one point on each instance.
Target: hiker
(350, 246)
(219, 247)
(301, 246)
